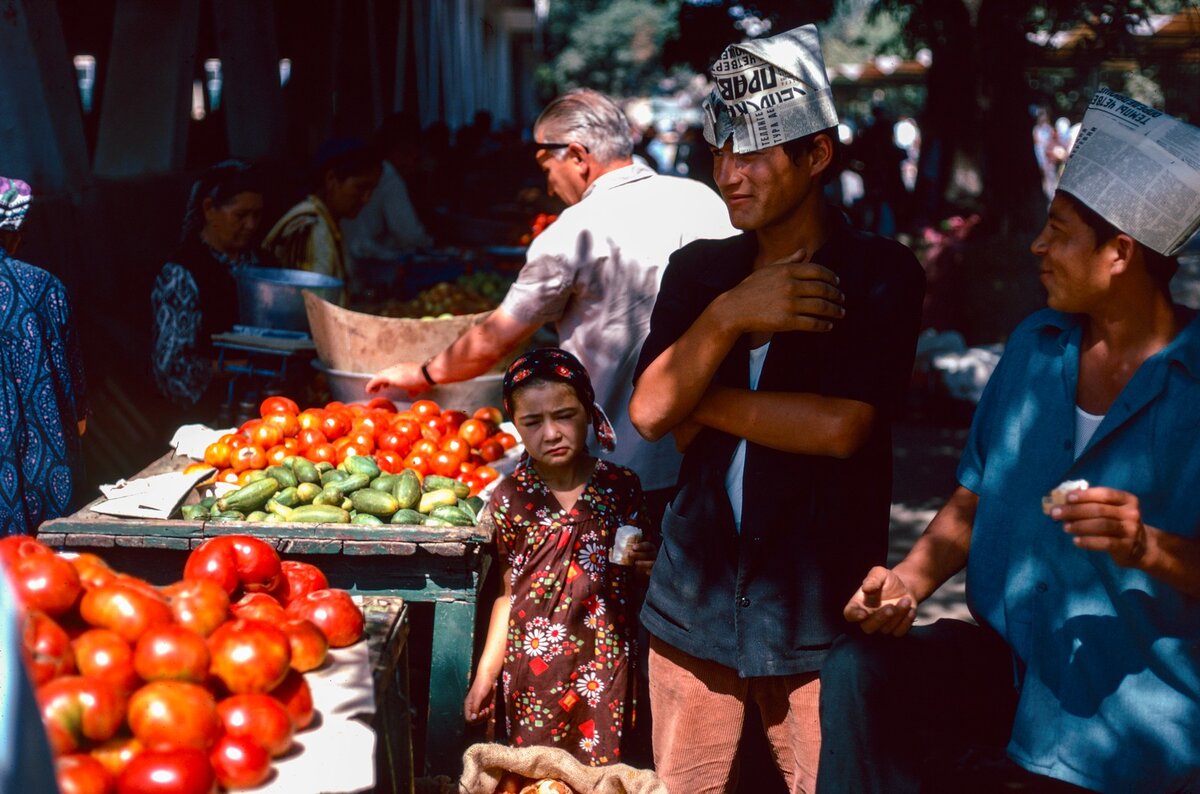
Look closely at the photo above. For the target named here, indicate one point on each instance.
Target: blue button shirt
(1110, 696)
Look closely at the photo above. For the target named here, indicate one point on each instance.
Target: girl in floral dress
(562, 632)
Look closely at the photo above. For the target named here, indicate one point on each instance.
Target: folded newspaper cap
(1139, 169)
(769, 91)
(15, 196)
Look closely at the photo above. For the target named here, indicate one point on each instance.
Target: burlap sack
(485, 764)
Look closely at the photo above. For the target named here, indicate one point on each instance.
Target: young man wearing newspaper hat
(776, 358)
(1085, 668)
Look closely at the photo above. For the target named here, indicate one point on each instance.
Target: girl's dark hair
(221, 183)
(1161, 268)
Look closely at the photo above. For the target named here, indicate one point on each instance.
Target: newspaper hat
(1139, 169)
(769, 91)
(15, 196)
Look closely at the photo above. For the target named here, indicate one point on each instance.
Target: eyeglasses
(549, 146)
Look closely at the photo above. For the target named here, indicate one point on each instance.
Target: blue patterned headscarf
(557, 365)
(15, 196)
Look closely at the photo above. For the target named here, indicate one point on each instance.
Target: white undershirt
(737, 466)
(1085, 428)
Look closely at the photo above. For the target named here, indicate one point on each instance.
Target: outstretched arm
(887, 601)
(471, 355)
(805, 424)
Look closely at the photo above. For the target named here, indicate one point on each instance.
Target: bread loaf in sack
(485, 765)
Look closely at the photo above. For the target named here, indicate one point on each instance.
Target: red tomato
(231, 560)
(92, 570)
(265, 435)
(370, 422)
(425, 447)
(259, 717)
(491, 451)
(418, 462)
(308, 643)
(77, 710)
(227, 475)
(382, 404)
(239, 763)
(390, 439)
(310, 418)
(47, 648)
(276, 454)
(259, 606)
(249, 655)
(278, 404)
(171, 653)
(307, 437)
(454, 420)
(180, 771)
(335, 614)
(389, 461)
(245, 427)
(486, 474)
(199, 604)
(115, 754)
(123, 608)
(302, 578)
(363, 439)
(323, 451)
(426, 408)
(81, 774)
(217, 454)
(507, 440)
(296, 697)
(335, 424)
(445, 463)
(248, 457)
(474, 432)
(410, 429)
(45, 582)
(104, 655)
(490, 414)
(285, 423)
(456, 445)
(164, 715)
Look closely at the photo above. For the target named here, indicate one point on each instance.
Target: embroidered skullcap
(769, 91)
(1139, 169)
(15, 197)
(554, 364)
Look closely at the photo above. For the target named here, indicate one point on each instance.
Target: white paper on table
(343, 687)
(191, 440)
(149, 497)
(336, 757)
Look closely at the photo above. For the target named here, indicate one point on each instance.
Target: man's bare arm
(805, 424)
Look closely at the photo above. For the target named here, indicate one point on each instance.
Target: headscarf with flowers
(555, 364)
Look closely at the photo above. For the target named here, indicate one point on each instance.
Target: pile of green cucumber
(354, 492)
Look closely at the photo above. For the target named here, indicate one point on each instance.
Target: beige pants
(700, 707)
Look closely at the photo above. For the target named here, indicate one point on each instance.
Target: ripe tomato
(123, 608)
(307, 437)
(362, 438)
(276, 454)
(418, 462)
(179, 771)
(217, 454)
(47, 648)
(164, 715)
(486, 474)
(426, 408)
(453, 420)
(389, 461)
(390, 439)
(115, 754)
(239, 763)
(249, 655)
(335, 424)
(335, 614)
(466, 467)
(171, 653)
(491, 450)
(92, 570)
(456, 445)
(249, 457)
(474, 432)
(77, 710)
(425, 447)
(308, 643)
(382, 404)
(490, 414)
(369, 422)
(45, 582)
(321, 451)
(198, 604)
(296, 697)
(265, 435)
(245, 427)
(102, 654)
(310, 418)
(410, 429)
(259, 717)
(227, 475)
(79, 773)
(507, 440)
(286, 423)
(445, 463)
(259, 606)
(278, 404)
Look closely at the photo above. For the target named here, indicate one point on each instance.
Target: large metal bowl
(468, 395)
(269, 297)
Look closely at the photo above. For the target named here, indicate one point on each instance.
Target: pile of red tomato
(423, 438)
(176, 689)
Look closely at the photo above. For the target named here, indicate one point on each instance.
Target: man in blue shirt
(1086, 665)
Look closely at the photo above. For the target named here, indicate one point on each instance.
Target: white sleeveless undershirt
(737, 466)
(1085, 428)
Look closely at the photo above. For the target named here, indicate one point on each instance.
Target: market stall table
(443, 567)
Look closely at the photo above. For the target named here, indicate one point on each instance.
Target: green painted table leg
(453, 643)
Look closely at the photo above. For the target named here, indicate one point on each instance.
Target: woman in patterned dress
(195, 294)
(563, 630)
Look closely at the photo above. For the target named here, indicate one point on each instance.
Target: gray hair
(590, 118)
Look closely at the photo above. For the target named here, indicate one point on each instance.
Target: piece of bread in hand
(548, 786)
(511, 783)
(1059, 495)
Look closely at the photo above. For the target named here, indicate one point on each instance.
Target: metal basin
(270, 297)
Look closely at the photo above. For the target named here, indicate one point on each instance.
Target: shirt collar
(619, 176)
(1184, 348)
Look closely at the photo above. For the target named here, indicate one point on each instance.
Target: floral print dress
(567, 676)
